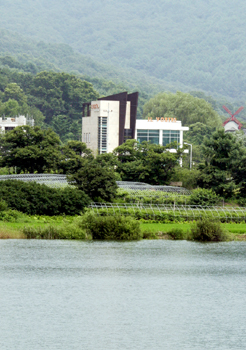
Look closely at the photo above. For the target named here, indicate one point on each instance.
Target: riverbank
(14, 230)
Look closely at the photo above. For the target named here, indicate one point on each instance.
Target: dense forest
(182, 45)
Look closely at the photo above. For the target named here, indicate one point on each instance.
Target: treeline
(155, 38)
(223, 167)
(53, 99)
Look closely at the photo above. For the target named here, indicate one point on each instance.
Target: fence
(51, 180)
(138, 187)
(171, 212)
(59, 180)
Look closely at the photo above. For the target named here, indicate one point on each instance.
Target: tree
(146, 162)
(14, 92)
(9, 109)
(223, 154)
(60, 94)
(184, 107)
(96, 181)
(74, 155)
(198, 131)
(30, 149)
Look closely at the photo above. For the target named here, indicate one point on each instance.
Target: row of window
(87, 137)
(153, 136)
(102, 134)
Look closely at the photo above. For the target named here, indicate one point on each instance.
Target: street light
(189, 144)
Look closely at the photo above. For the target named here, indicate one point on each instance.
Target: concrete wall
(12, 122)
(109, 109)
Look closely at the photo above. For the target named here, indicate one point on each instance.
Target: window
(102, 134)
(169, 136)
(148, 135)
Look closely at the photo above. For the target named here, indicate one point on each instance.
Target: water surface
(145, 295)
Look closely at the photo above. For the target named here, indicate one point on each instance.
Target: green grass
(15, 229)
(159, 227)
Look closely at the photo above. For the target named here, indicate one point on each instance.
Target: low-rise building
(110, 121)
(8, 124)
(161, 131)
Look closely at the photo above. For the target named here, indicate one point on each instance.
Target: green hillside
(196, 45)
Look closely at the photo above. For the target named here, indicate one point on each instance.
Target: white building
(161, 131)
(110, 121)
(232, 125)
(7, 124)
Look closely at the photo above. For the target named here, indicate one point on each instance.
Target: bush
(109, 227)
(35, 199)
(3, 205)
(55, 232)
(9, 215)
(208, 230)
(149, 235)
(188, 177)
(203, 196)
(177, 234)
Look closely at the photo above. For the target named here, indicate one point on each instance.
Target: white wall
(109, 109)
(231, 125)
(145, 124)
(12, 122)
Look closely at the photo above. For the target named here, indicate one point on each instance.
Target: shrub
(208, 230)
(3, 205)
(55, 232)
(177, 234)
(35, 199)
(9, 215)
(149, 235)
(188, 177)
(203, 196)
(109, 227)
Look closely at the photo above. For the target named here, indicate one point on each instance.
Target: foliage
(3, 205)
(188, 177)
(184, 107)
(223, 154)
(203, 59)
(9, 215)
(198, 131)
(30, 149)
(147, 234)
(207, 230)
(174, 214)
(74, 155)
(150, 197)
(110, 227)
(96, 181)
(69, 231)
(176, 234)
(146, 162)
(52, 99)
(33, 198)
(204, 197)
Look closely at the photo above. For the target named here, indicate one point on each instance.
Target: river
(146, 295)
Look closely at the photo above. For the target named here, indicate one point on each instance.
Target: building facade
(8, 124)
(161, 131)
(110, 121)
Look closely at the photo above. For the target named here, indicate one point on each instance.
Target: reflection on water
(145, 295)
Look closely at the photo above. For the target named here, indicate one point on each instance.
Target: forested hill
(199, 44)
